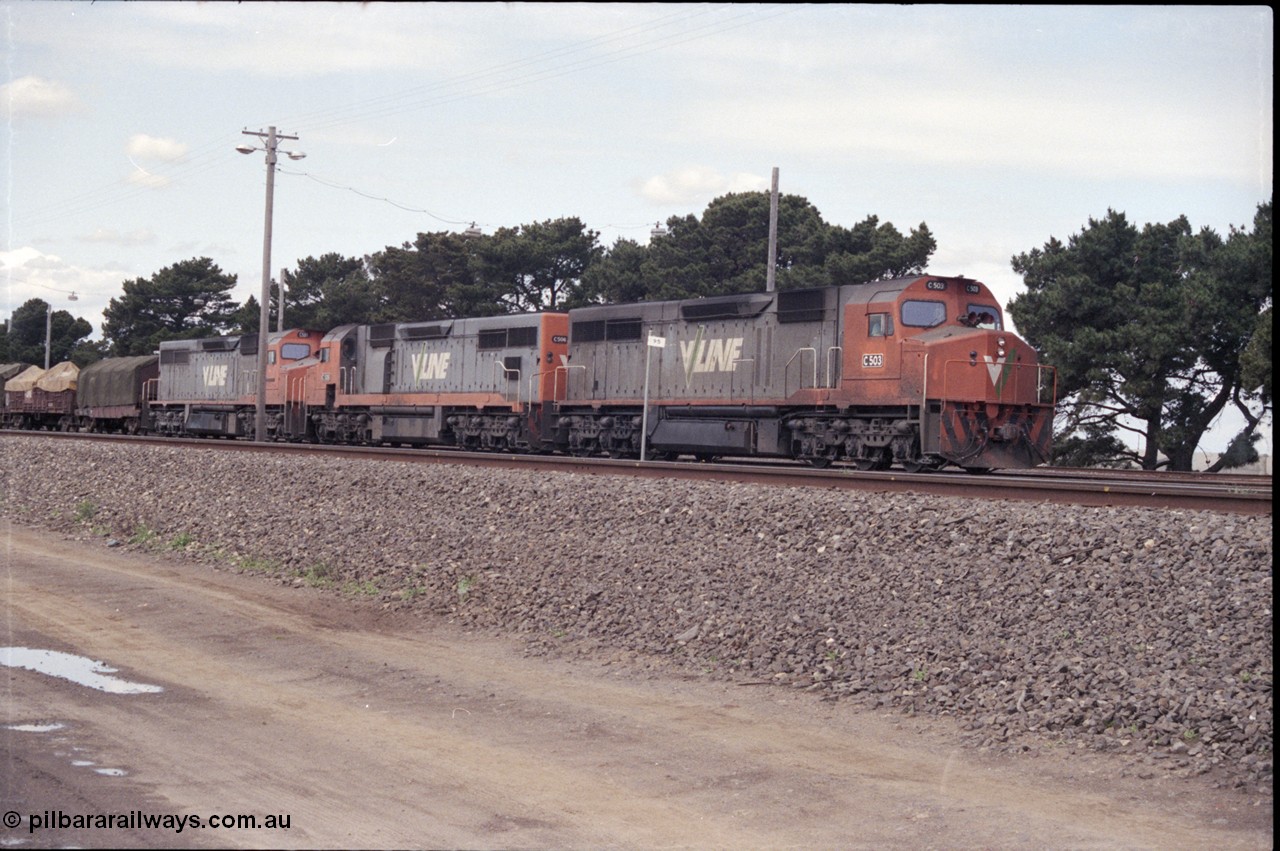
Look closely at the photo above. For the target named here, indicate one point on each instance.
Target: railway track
(1189, 491)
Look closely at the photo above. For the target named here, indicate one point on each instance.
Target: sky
(1000, 127)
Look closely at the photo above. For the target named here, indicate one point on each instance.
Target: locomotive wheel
(920, 465)
(882, 460)
(819, 462)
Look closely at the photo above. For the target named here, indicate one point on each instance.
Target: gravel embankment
(1034, 626)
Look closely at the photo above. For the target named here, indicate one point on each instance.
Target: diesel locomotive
(918, 372)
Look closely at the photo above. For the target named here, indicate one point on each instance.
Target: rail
(1201, 492)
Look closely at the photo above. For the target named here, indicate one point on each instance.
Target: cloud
(29, 273)
(111, 236)
(282, 40)
(36, 97)
(696, 184)
(144, 147)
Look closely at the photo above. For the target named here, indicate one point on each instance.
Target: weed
(182, 541)
(143, 536)
(255, 565)
(85, 510)
(465, 584)
(319, 575)
(1190, 735)
(412, 593)
(919, 674)
(360, 589)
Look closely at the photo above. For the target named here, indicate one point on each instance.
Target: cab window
(294, 351)
(985, 316)
(923, 314)
(879, 325)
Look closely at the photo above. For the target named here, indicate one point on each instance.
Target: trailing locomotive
(917, 372)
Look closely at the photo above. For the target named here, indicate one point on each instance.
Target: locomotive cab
(953, 385)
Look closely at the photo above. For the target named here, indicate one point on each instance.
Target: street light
(271, 140)
(48, 326)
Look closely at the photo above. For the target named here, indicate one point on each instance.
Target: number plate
(872, 361)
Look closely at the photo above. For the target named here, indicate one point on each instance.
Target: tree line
(1154, 330)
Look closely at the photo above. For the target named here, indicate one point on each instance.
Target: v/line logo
(714, 355)
(215, 375)
(429, 366)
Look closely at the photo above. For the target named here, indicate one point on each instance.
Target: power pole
(271, 139)
(770, 273)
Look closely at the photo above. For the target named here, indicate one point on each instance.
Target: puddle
(111, 772)
(34, 728)
(82, 763)
(77, 669)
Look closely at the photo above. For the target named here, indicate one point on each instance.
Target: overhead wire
(498, 78)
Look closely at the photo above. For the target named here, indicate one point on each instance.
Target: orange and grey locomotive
(918, 372)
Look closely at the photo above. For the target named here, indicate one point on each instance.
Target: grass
(319, 575)
(86, 510)
(465, 584)
(255, 565)
(181, 541)
(412, 593)
(143, 536)
(361, 589)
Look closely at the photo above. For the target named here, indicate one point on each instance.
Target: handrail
(1014, 389)
(502, 366)
(787, 369)
(555, 384)
(734, 375)
(831, 381)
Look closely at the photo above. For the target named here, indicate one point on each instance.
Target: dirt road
(371, 730)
